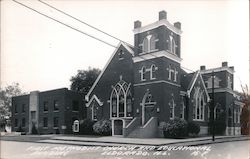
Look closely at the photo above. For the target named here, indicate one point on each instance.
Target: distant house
(145, 84)
(52, 111)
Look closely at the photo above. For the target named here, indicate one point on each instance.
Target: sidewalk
(120, 141)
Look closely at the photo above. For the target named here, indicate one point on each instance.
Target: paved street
(34, 150)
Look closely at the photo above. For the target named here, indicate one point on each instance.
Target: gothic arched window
(114, 103)
(171, 45)
(217, 111)
(121, 103)
(143, 73)
(149, 44)
(198, 104)
(152, 43)
(172, 108)
(152, 72)
(94, 108)
(183, 108)
(145, 45)
(129, 103)
(121, 100)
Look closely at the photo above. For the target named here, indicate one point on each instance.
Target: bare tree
(245, 115)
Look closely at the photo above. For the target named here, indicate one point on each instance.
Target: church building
(145, 84)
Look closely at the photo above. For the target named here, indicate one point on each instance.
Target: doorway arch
(148, 106)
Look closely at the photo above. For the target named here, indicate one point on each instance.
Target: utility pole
(233, 119)
(212, 104)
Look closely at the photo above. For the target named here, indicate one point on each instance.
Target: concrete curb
(82, 142)
(179, 143)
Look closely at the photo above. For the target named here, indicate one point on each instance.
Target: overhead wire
(69, 26)
(79, 20)
(93, 27)
(98, 39)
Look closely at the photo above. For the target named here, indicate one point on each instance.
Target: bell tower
(158, 36)
(157, 58)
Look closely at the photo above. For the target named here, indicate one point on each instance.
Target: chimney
(177, 25)
(232, 68)
(162, 15)
(137, 24)
(224, 64)
(202, 67)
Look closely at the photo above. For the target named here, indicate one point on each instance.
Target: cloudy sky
(41, 54)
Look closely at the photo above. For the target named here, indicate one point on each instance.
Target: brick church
(144, 84)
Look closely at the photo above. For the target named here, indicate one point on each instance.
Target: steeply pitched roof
(94, 97)
(185, 79)
(188, 81)
(195, 76)
(129, 48)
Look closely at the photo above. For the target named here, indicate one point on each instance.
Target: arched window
(201, 106)
(94, 108)
(114, 103)
(152, 72)
(121, 103)
(198, 104)
(143, 73)
(183, 108)
(149, 43)
(229, 82)
(237, 115)
(129, 103)
(145, 45)
(172, 108)
(152, 43)
(121, 100)
(217, 111)
(171, 45)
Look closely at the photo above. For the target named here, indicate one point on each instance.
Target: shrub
(244, 120)
(193, 128)
(102, 127)
(86, 127)
(176, 128)
(162, 125)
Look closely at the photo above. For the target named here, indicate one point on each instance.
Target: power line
(91, 27)
(71, 27)
(77, 19)
(64, 24)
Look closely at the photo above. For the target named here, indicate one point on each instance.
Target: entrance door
(148, 106)
(118, 127)
(149, 109)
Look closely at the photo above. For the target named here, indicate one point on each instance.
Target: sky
(41, 54)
